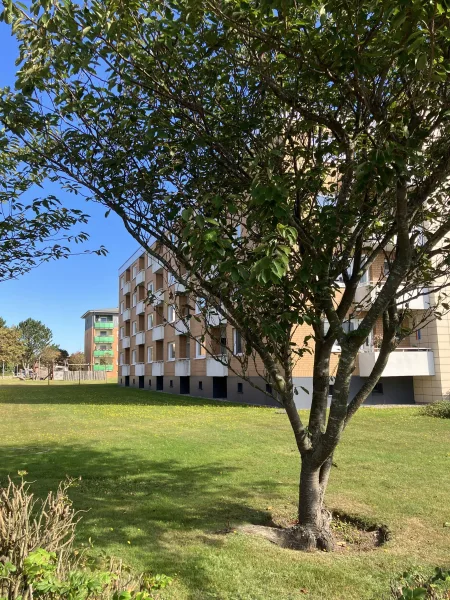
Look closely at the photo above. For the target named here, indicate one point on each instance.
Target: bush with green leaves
(416, 584)
(439, 409)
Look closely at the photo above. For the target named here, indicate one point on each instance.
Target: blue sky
(59, 292)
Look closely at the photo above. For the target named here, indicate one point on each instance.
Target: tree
(75, 360)
(11, 347)
(321, 130)
(49, 355)
(35, 337)
(2, 322)
(62, 356)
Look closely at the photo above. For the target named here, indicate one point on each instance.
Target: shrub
(439, 409)
(38, 559)
(418, 585)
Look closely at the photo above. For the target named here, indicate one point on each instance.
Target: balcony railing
(214, 319)
(181, 327)
(140, 277)
(158, 333)
(157, 266)
(140, 338)
(139, 369)
(126, 314)
(103, 367)
(158, 297)
(179, 288)
(140, 307)
(125, 370)
(126, 288)
(214, 368)
(157, 368)
(182, 367)
(104, 339)
(366, 294)
(403, 362)
(100, 325)
(103, 353)
(126, 342)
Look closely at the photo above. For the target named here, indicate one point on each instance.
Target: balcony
(158, 368)
(366, 294)
(140, 277)
(179, 288)
(158, 297)
(403, 362)
(139, 369)
(158, 333)
(140, 307)
(126, 314)
(126, 342)
(413, 302)
(103, 367)
(214, 368)
(103, 339)
(100, 325)
(181, 327)
(182, 367)
(140, 338)
(126, 288)
(125, 370)
(157, 266)
(214, 319)
(103, 353)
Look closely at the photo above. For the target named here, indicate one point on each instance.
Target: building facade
(101, 334)
(160, 351)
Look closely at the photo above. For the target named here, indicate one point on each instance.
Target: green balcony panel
(105, 339)
(99, 325)
(103, 367)
(103, 352)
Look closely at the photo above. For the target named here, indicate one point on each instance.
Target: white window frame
(135, 271)
(121, 359)
(171, 313)
(171, 351)
(121, 308)
(171, 279)
(237, 333)
(150, 319)
(198, 302)
(121, 333)
(200, 351)
(134, 299)
(134, 328)
(149, 260)
(133, 357)
(149, 354)
(150, 287)
(122, 282)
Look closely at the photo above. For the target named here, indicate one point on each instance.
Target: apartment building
(101, 329)
(156, 352)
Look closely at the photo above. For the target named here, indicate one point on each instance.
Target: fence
(85, 376)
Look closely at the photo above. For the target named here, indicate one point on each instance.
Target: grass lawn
(161, 474)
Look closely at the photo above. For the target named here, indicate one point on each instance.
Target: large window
(200, 351)
(199, 305)
(121, 358)
(149, 260)
(150, 318)
(121, 308)
(133, 357)
(120, 333)
(134, 271)
(171, 313)
(171, 351)
(237, 342)
(150, 287)
(134, 328)
(150, 354)
(134, 299)
(171, 279)
(122, 282)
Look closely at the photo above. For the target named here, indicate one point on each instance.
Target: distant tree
(63, 355)
(2, 322)
(11, 347)
(49, 355)
(35, 337)
(75, 360)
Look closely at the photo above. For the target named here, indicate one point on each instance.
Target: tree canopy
(35, 338)
(320, 130)
(11, 347)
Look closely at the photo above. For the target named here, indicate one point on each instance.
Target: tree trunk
(314, 531)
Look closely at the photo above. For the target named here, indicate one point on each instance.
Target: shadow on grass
(103, 394)
(166, 509)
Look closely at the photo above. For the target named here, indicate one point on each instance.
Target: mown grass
(161, 475)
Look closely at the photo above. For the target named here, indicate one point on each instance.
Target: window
(330, 389)
(171, 383)
(149, 383)
(171, 351)
(171, 279)
(149, 260)
(199, 349)
(150, 354)
(240, 388)
(200, 385)
(121, 308)
(386, 265)
(199, 305)
(150, 287)
(365, 277)
(122, 282)
(134, 328)
(103, 333)
(121, 359)
(134, 271)
(171, 313)
(237, 342)
(378, 388)
(268, 388)
(121, 333)
(134, 299)
(418, 335)
(133, 357)
(150, 318)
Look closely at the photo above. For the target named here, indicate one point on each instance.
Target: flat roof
(114, 311)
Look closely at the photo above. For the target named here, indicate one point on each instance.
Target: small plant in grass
(440, 409)
(38, 558)
(416, 584)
